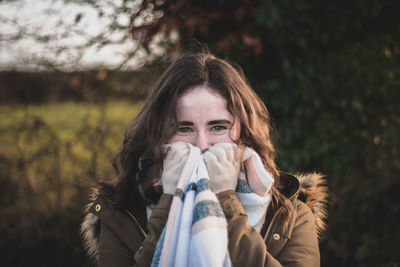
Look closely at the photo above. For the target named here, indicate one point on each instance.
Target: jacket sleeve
(113, 251)
(156, 223)
(248, 248)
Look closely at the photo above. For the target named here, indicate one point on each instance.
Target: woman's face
(204, 119)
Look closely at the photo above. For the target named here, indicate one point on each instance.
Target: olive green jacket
(117, 238)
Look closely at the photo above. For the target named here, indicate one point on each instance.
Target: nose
(202, 141)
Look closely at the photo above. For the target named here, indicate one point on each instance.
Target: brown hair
(156, 123)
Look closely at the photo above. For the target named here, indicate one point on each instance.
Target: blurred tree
(72, 35)
(329, 73)
(89, 40)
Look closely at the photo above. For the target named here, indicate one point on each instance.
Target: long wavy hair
(156, 123)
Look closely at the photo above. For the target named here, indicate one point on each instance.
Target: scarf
(196, 230)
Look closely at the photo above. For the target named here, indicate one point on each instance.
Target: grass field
(52, 150)
(66, 118)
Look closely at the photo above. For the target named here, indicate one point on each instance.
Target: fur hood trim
(314, 192)
(90, 227)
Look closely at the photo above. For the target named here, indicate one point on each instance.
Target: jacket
(117, 238)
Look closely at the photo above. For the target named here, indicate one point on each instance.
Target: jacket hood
(314, 192)
(309, 188)
(90, 227)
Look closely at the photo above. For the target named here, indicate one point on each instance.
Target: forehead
(200, 93)
(202, 100)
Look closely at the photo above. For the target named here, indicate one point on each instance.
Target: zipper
(137, 223)
(133, 218)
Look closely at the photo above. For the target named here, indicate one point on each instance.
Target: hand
(258, 178)
(223, 164)
(177, 154)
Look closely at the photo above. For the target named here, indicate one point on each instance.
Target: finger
(210, 158)
(177, 150)
(230, 150)
(166, 148)
(170, 154)
(179, 145)
(182, 148)
(219, 153)
(182, 155)
(226, 145)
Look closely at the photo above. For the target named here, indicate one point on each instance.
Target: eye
(218, 128)
(184, 129)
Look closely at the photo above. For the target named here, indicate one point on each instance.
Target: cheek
(180, 138)
(225, 138)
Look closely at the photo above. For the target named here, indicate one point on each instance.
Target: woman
(202, 101)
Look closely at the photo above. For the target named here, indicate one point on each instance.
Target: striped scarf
(196, 229)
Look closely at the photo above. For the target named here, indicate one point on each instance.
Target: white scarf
(196, 230)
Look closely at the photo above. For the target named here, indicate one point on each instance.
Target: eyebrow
(186, 123)
(219, 122)
(189, 123)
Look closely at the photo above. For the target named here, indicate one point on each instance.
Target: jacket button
(276, 236)
(97, 208)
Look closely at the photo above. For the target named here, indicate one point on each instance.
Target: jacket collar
(311, 189)
(290, 185)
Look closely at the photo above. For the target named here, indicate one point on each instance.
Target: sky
(57, 19)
